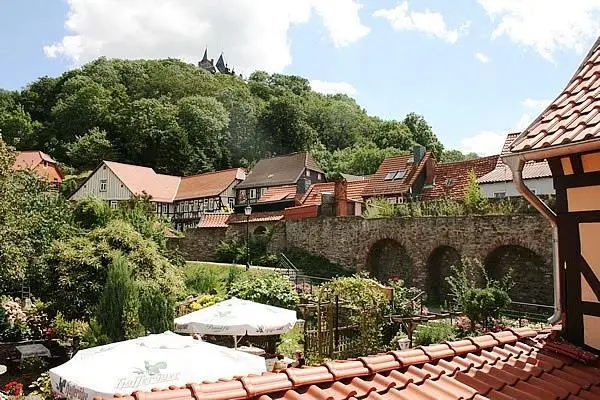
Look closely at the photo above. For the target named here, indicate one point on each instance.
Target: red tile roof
(209, 184)
(509, 365)
(138, 180)
(378, 186)
(214, 220)
(354, 190)
(502, 173)
(451, 178)
(30, 159)
(574, 116)
(280, 170)
(264, 216)
(278, 193)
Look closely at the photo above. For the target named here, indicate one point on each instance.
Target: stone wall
(199, 244)
(410, 247)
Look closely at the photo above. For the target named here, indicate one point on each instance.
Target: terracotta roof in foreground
(574, 116)
(509, 365)
(278, 193)
(451, 178)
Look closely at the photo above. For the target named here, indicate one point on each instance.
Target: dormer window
(45, 164)
(450, 182)
(308, 173)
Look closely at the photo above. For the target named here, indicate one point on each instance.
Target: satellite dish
(3, 369)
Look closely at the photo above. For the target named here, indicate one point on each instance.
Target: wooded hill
(179, 119)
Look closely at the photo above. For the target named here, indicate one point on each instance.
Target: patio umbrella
(154, 361)
(236, 317)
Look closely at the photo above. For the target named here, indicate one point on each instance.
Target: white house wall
(541, 186)
(115, 190)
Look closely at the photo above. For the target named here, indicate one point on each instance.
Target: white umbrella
(236, 317)
(154, 361)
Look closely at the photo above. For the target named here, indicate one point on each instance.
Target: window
(396, 174)
(392, 200)
(165, 209)
(390, 176)
(103, 185)
(252, 194)
(308, 173)
(113, 203)
(45, 164)
(195, 205)
(185, 206)
(263, 191)
(499, 195)
(231, 202)
(400, 174)
(319, 176)
(450, 182)
(205, 204)
(211, 204)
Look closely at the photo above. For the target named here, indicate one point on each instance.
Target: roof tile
(513, 370)
(451, 178)
(209, 184)
(575, 114)
(437, 351)
(280, 170)
(378, 186)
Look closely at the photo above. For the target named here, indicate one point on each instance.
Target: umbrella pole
(235, 342)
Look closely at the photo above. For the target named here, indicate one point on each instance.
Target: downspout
(516, 165)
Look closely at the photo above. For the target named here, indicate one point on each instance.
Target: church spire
(205, 57)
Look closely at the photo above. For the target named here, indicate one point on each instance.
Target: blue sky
(394, 57)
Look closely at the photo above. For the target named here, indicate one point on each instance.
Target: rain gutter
(516, 163)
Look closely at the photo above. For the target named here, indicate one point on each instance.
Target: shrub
(365, 297)
(478, 296)
(156, 309)
(474, 201)
(42, 387)
(230, 251)
(65, 329)
(265, 287)
(92, 212)
(200, 280)
(433, 332)
(403, 302)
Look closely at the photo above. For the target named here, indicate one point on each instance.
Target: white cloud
(429, 22)
(482, 58)
(547, 26)
(490, 142)
(535, 104)
(253, 34)
(484, 143)
(325, 87)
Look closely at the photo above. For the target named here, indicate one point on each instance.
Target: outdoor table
(257, 351)
(33, 350)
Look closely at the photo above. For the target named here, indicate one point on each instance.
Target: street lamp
(247, 211)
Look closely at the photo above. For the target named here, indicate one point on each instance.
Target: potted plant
(400, 341)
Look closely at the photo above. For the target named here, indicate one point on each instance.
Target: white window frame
(499, 195)
(263, 191)
(231, 202)
(308, 173)
(165, 209)
(319, 176)
(211, 204)
(114, 204)
(252, 194)
(103, 185)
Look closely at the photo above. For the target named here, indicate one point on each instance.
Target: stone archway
(260, 230)
(388, 259)
(532, 276)
(438, 269)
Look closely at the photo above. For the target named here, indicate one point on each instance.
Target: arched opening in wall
(438, 269)
(388, 259)
(260, 230)
(531, 275)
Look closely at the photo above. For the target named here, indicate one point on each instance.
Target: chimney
(430, 171)
(418, 153)
(341, 197)
(302, 187)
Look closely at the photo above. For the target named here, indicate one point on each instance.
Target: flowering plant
(13, 388)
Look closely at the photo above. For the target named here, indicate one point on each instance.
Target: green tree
(422, 133)
(449, 156)
(474, 200)
(270, 288)
(87, 151)
(92, 212)
(118, 299)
